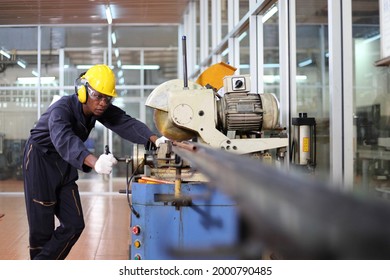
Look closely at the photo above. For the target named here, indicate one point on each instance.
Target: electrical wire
(128, 185)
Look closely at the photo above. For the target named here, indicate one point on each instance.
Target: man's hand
(161, 140)
(104, 164)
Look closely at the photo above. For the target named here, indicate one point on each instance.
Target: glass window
(271, 53)
(79, 61)
(79, 36)
(146, 36)
(224, 18)
(244, 53)
(312, 75)
(18, 93)
(244, 8)
(371, 105)
(127, 66)
(160, 66)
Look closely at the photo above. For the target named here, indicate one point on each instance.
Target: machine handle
(184, 50)
(107, 151)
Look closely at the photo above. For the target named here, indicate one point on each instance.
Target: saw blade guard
(158, 100)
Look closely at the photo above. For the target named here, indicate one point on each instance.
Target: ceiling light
(83, 66)
(6, 54)
(271, 65)
(21, 64)
(140, 67)
(242, 36)
(87, 66)
(269, 13)
(244, 66)
(270, 79)
(108, 14)
(34, 80)
(113, 38)
(305, 62)
(116, 51)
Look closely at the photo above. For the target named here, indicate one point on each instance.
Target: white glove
(104, 164)
(161, 140)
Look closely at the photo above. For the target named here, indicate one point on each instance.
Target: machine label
(306, 144)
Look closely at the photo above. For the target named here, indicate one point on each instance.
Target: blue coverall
(53, 153)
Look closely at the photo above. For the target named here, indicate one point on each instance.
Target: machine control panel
(238, 83)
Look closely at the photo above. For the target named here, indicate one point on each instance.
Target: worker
(55, 151)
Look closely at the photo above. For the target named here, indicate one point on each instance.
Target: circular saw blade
(167, 128)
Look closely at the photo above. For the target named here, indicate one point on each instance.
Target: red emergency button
(136, 230)
(137, 257)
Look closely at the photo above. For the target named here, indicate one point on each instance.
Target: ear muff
(81, 89)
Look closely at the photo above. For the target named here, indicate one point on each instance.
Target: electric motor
(246, 112)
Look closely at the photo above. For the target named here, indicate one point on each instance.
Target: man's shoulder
(66, 105)
(66, 101)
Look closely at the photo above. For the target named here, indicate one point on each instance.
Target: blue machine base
(163, 230)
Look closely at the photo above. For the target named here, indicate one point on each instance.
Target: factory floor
(107, 217)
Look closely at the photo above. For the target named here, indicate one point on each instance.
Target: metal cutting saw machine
(219, 110)
(176, 212)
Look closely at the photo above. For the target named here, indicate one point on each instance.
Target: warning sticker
(306, 144)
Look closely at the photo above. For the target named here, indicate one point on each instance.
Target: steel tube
(295, 215)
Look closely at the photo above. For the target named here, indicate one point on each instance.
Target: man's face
(97, 102)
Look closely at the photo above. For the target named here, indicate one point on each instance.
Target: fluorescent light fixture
(21, 64)
(140, 67)
(122, 81)
(116, 51)
(108, 14)
(113, 38)
(35, 73)
(269, 13)
(270, 79)
(119, 63)
(7, 55)
(271, 65)
(305, 62)
(83, 66)
(120, 73)
(35, 80)
(225, 52)
(242, 36)
(87, 66)
(301, 78)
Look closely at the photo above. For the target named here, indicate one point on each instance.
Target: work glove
(161, 140)
(104, 164)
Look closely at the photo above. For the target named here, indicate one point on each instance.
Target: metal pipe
(294, 215)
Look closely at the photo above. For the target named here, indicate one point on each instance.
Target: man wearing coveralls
(56, 149)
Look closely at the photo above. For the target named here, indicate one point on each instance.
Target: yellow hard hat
(102, 79)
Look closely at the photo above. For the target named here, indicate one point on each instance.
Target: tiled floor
(106, 212)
